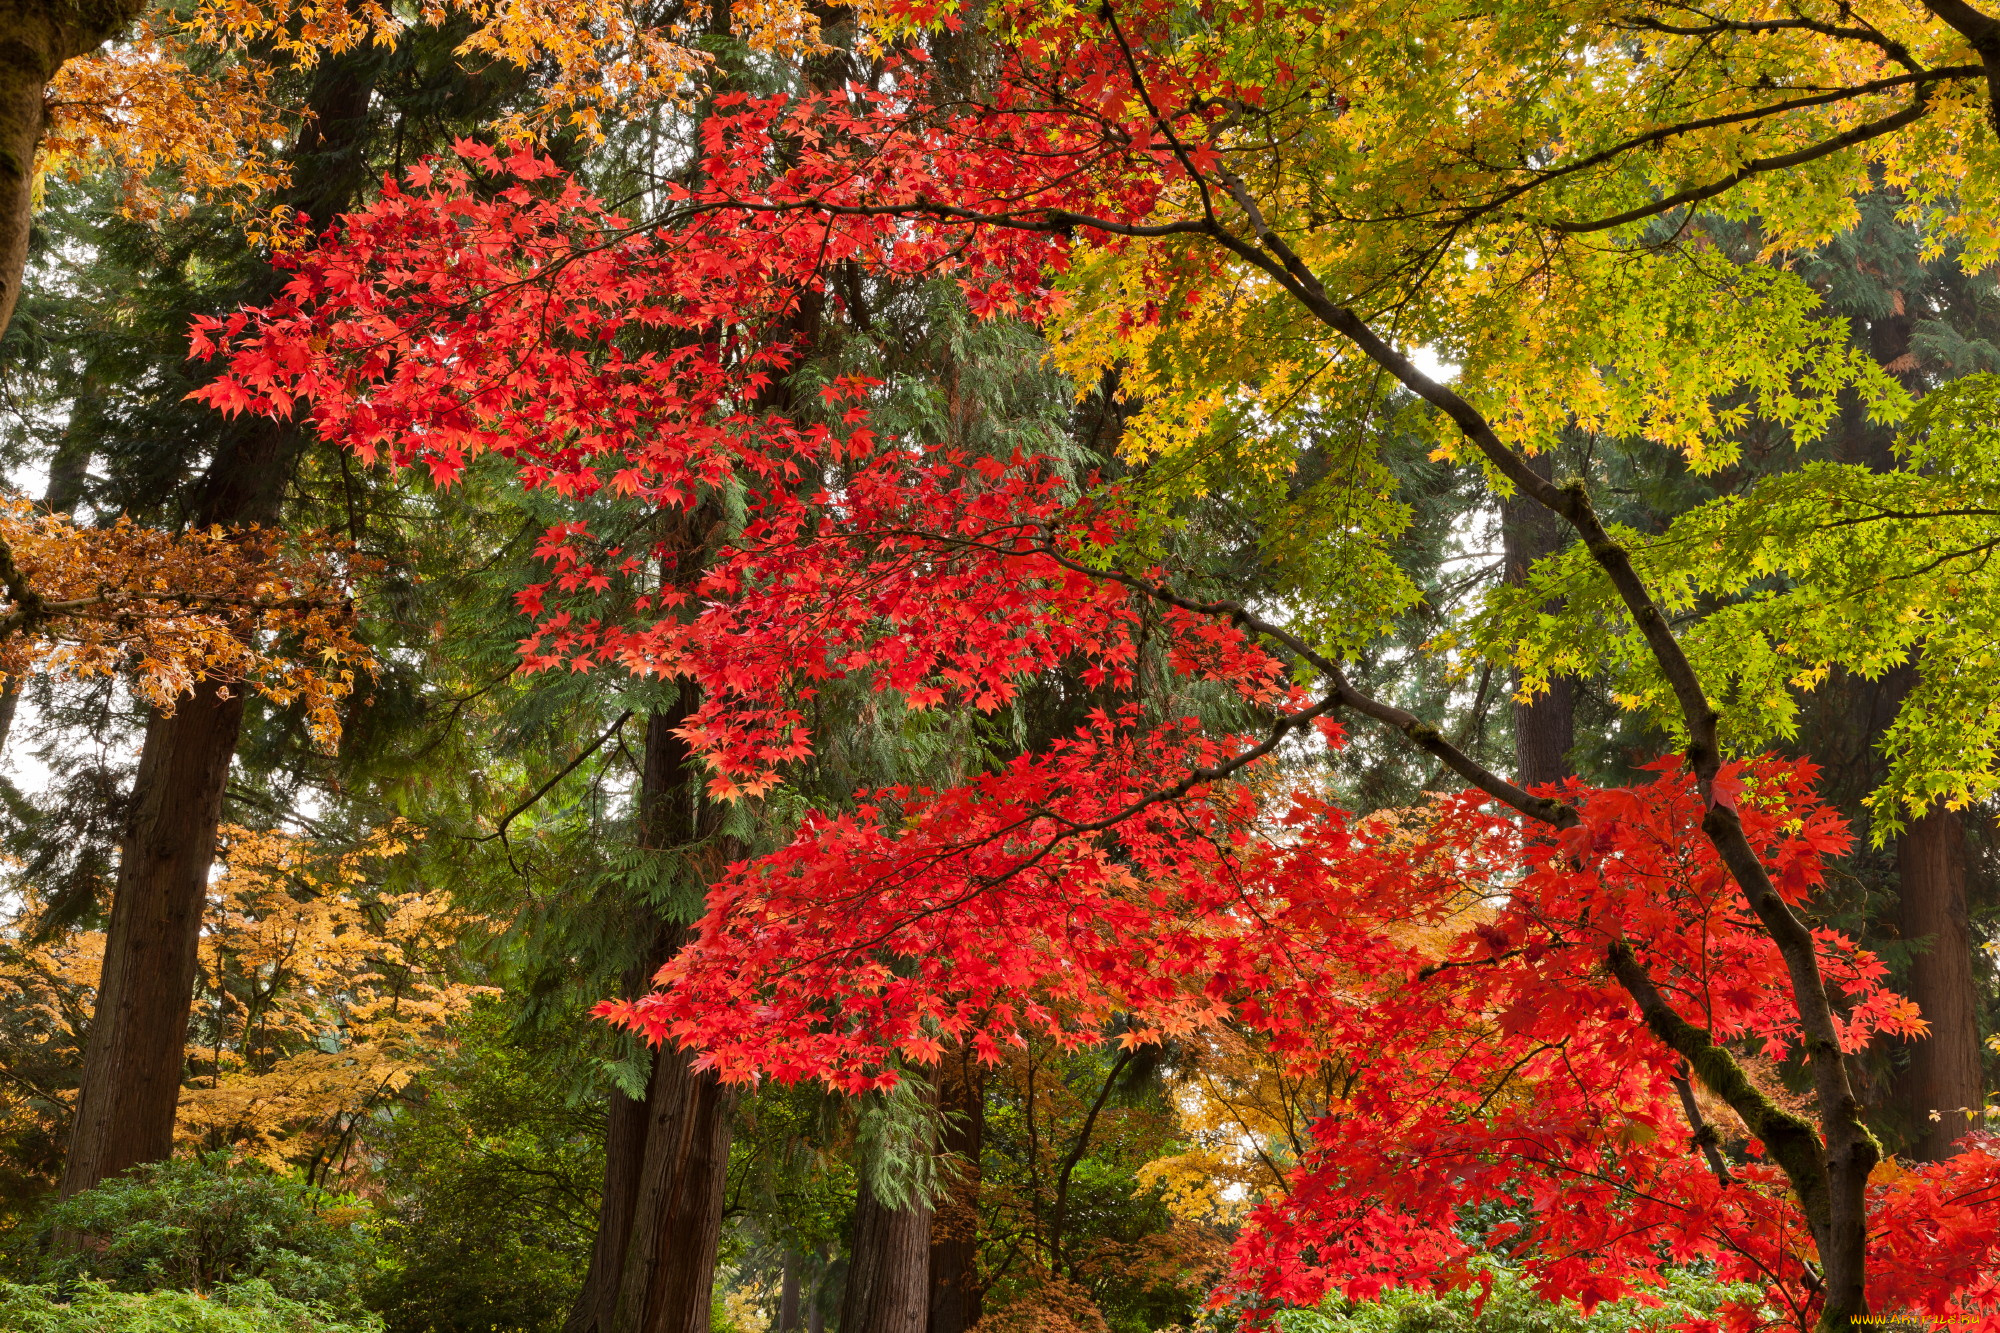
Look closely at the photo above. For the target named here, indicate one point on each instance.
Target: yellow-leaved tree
(322, 991)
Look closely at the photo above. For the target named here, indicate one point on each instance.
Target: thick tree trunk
(1545, 729)
(26, 67)
(955, 1300)
(888, 1268)
(147, 984)
(624, 1160)
(132, 1061)
(669, 1273)
(132, 1066)
(1944, 1085)
(150, 947)
(1945, 1073)
(652, 1268)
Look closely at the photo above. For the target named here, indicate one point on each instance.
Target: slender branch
(1705, 1135)
(1789, 1139)
(1076, 1152)
(544, 789)
(1653, 137)
(1694, 194)
(1715, 27)
(1344, 694)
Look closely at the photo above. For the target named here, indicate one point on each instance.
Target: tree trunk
(1945, 1072)
(132, 1061)
(624, 1159)
(36, 37)
(1545, 729)
(1945, 1076)
(652, 1269)
(1943, 1089)
(955, 1299)
(788, 1296)
(669, 1273)
(130, 1084)
(888, 1268)
(150, 948)
(26, 66)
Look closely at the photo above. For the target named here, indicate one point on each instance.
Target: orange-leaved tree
(322, 991)
(252, 610)
(180, 100)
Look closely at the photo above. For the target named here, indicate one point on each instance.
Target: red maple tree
(1566, 1043)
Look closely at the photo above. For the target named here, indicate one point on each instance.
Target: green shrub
(493, 1166)
(93, 1307)
(1514, 1307)
(197, 1225)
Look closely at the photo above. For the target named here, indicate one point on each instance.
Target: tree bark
(652, 1268)
(788, 1296)
(132, 1062)
(130, 1084)
(1945, 1072)
(624, 1160)
(36, 37)
(1943, 1087)
(1544, 729)
(669, 1273)
(955, 1299)
(888, 1269)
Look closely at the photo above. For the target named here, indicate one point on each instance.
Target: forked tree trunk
(1943, 1087)
(956, 1291)
(132, 1065)
(888, 1267)
(652, 1268)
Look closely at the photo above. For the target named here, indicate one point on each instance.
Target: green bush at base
(1514, 1307)
(197, 1225)
(93, 1307)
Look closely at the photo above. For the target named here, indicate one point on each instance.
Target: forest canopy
(922, 668)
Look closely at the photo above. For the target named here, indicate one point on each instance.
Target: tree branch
(1982, 33)
(544, 789)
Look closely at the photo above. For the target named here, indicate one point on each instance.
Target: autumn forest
(999, 666)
